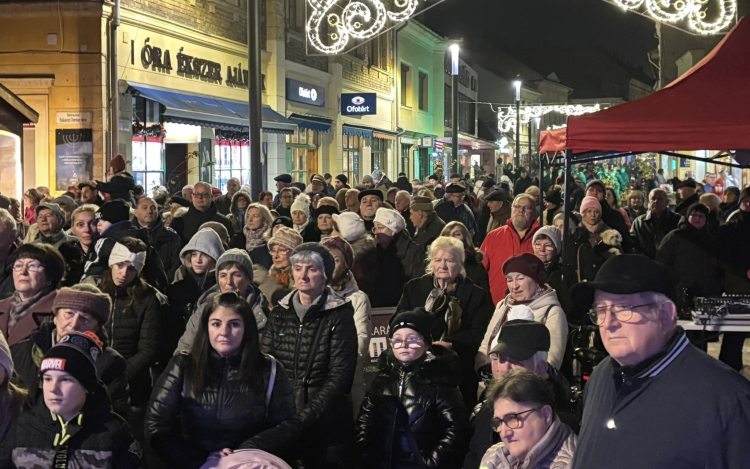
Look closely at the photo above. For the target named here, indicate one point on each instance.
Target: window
(298, 146)
(405, 84)
(296, 15)
(405, 149)
(379, 148)
(379, 52)
(351, 150)
(148, 146)
(232, 161)
(466, 113)
(424, 91)
(447, 95)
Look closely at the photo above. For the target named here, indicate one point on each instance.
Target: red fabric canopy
(707, 108)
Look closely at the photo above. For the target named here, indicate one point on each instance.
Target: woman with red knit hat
(121, 182)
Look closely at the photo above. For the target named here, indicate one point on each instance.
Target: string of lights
(694, 12)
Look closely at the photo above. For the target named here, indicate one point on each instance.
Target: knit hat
(66, 202)
(334, 242)
(342, 177)
(552, 232)
(596, 182)
(114, 211)
(86, 298)
(215, 191)
(329, 264)
(417, 319)
(733, 190)
(527, 264)
(520, 339)
(240, 257)
(554, 197)
(54, 208)
(350, 225)
(590, 202)
(284, 221)
(75, 353)
(120, 253)
(367, 179)
(4, 202)
(6, 359)
(181, 201)
(377, 175)
(205, 241)
(498, 195)
(745, 193)
(391, 219)
(117, 164)
(286, 237)
(699, 207)
(421, 203)
(301, 204)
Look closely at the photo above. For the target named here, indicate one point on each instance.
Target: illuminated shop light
(506, 116)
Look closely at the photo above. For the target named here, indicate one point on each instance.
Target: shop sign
(428, 142)
(74, 118)
(187, 65)
(74, 157)
(359, 104)
(305, 93)
(684, 163)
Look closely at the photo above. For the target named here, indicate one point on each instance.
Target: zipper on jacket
(296, 353)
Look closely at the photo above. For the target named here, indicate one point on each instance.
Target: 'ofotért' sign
(359, 104)
(306, 93)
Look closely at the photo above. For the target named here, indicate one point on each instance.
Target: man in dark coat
(649, 230)
(224, 202)
(165, 240)
(636, 400)
(282, 181)
(523, 182)
(688, 196)
(203, 210)
(121, 182)
(452, 208)
(89, 194)
(427, 225)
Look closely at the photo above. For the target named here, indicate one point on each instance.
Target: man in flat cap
(282, 181)
(452, 207)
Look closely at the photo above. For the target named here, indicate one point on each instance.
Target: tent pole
(541, 188)
(567, 209)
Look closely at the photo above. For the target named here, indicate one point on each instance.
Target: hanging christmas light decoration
(506, 116)
(333, 23)
(694, 11)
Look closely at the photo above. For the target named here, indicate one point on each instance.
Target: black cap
(283, 221)
(745, 193)
(520, 339)
(417, 319)
(285, 178)
(554, 197)
(489, 182)
(689, 182)
(498, 195)
(596, 182)
(623, 275)
(182, 201)
(327, 176)
(114, 211)
(376, 192)
(455, 188)
(521, 169)
(342, 177)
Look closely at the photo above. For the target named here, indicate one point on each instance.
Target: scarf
(282, 276)
(442, 304)
(254, 238)
(239, 214)
(301, 228)
(58, 236)
(19, 308)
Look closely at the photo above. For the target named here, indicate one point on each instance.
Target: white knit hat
(301, 204)
(391, 219)
(350, 225)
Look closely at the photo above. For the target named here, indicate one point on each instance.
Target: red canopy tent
(708, 108)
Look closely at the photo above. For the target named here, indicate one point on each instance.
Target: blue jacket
(448, 212)
(678, 409)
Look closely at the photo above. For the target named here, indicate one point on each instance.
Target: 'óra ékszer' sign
(359, 104)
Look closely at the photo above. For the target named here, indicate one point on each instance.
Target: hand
(447, 345)
(222, 453)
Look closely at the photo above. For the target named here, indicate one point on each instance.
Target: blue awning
(357, 131)
(206, 111)
(321, 124)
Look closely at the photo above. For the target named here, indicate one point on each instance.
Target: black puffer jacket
(187, 225)
(167, 244)
(185, 291)
(320, 353)
(110, 366)
(100, 439)
(183, 430)
(414, 416)
(120, 186)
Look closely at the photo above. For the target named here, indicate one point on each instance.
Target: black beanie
(344, 180)
(417, 319)
(329, 264)
(697, 207)
(745, 193)
(326, 209)
(283, 221)
(76, 354)
(114, 211)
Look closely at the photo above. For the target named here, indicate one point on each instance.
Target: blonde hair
(91, 208)
(712, 201)
(446, 243)
(533, 190)
(265, 213)
(330, 201)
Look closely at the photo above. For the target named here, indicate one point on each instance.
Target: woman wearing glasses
(277, 282)
(37, 272)
(413, 415)
(547, 242)
(532, 434)
(223, 395)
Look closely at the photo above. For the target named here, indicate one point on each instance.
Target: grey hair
(539, 357)
(660, 299)
(446, 243)
(404, 194)
(525, 196)
(7, 219)
(309, 257)
(203, 183)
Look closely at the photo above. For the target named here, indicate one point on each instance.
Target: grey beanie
(54, 208)
(240, 257)
(205, 241)
(367, 178)
(6, 360)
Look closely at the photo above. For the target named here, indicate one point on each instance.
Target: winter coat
(320, 353)
(614, 219)
(120, 186)
(224, 204)
(448, 212)
(189, 224)
(254, 297)
(110, 366)
(187, 289)
(554, 270)
(271, 289)
(522, 184)
(184, 429)
(476, 309)
(259, 255)
(734, 249)
(431, 229)
(99, 438)
(365, 257)
(7, 287)
(499, 246)
(499, 218)
(390, 274)
(475, 270)
(403, 184)
(583, 260)
(38, 312)
(55, 240)
(413, 415)
(547, 310)
(167, 244)
(683, 206)
(648, 231)
(554, 451)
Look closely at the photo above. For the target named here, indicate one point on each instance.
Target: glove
(485, 374)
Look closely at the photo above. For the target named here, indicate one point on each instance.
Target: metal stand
(454, 124)
(255, 96)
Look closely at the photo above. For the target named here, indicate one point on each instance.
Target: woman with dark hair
(31, 200)
(240, 202)
(553, 203)
(266, 198)
(223, 395)
(614, 203)
(475, 270)
(37, 272)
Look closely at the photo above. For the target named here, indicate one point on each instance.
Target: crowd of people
(205, 329)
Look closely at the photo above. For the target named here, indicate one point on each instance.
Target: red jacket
(498, 247)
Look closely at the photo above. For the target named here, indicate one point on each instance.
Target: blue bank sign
(306, 93)
(359, 104)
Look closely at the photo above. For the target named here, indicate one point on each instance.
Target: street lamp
(517, 84)
(454, 48)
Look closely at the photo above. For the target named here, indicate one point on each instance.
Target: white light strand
(506, 117)
(672, 11)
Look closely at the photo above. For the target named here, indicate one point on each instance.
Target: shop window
(423, 91)
(148, 162)
(302, 154)
(405, 85)
(405, 149)
(352, 149)
(379, 149)
(232, 161)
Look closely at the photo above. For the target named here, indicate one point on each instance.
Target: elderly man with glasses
(515, 237)
(203, 210)
(656, 401)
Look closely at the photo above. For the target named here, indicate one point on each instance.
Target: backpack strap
(271, 382)
(546, 313)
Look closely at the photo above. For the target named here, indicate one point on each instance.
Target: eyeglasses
(522, 208)
(31, 267)
(512, 421)
(544, 247)
(287, 196)
(411, 342)
(622, 312)
(280, 251)
(201, 195)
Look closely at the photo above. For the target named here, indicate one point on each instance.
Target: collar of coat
(439, 366)
(333, 300)
(654, 365)
(553, 440)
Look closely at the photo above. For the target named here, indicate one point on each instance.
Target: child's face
(408, 345)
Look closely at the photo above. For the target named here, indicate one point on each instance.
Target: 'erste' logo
(54, 364)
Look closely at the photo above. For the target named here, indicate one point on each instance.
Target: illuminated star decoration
(347, 19)
(671, 11)
(506, 117)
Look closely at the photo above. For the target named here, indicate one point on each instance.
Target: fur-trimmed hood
(439, 365)
(237, 196)
(363, 246)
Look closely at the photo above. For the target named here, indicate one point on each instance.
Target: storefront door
(312, 163)
(176, 161)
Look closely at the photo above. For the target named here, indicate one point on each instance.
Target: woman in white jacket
(525, 275)
(344, 284)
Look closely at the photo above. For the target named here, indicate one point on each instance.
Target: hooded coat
(554, 451)
(413, 415)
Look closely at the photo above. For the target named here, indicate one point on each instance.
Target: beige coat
(554, 451)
